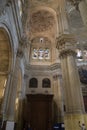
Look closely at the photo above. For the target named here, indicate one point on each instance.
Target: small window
(41, 53)
(46, 83)
(33, 83)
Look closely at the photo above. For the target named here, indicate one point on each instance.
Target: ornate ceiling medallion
(42, 20)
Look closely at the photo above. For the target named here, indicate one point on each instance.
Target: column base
(72, 121)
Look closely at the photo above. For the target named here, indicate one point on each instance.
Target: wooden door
(39, 111)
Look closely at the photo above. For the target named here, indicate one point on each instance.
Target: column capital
(66, 44)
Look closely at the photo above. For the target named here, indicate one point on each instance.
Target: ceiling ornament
(42, 20)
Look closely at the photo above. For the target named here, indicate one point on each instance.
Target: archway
(5, 64)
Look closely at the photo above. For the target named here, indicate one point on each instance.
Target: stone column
(73, 94)
(12, 93)
(20, 112)
(5, 100)
(12, 96)
(58, 99)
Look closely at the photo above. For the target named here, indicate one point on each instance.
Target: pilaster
(73, 94)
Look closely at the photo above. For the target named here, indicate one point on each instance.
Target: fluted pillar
(58, 100)
(73, 94)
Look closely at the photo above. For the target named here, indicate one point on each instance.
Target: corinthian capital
(66, 44)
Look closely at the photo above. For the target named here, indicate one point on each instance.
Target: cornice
(64, 38)
(42, 67)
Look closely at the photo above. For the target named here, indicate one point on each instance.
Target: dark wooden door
(39, 111)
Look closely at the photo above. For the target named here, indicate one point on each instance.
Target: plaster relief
(41, 20)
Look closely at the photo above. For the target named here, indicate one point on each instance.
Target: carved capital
(65, 53)
(66, 44)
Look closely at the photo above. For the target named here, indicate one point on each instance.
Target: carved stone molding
(3, 4)
(65, 53)
(65, 41)
(20, 53)
(24, 42)
(57, 76)
(66, 45)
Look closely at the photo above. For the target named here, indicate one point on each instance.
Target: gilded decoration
(41, 20)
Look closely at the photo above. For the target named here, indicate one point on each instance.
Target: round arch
(5, 61)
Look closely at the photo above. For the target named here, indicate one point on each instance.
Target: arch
(5, 51)
(33, 83)
(5, 61)
(46, 83)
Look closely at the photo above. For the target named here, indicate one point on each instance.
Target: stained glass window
(41, 53)
(35, 54)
